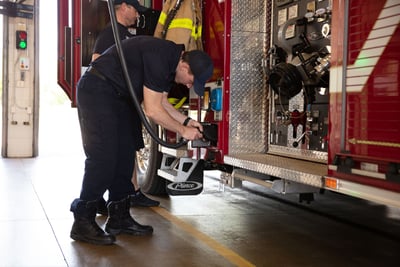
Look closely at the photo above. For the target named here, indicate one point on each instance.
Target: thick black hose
(129, 82)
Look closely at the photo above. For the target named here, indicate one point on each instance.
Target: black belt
(95, 72)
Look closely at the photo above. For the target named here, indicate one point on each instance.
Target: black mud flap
(192, 186)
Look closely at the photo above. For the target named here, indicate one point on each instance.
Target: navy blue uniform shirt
(106, 38)
(151, 62)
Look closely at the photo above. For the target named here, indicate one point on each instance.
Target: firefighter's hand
(195, 124)
(191, 133)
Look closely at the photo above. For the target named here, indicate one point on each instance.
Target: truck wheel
(148, 161)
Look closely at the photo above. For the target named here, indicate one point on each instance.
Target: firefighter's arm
(173, 112)
(154, 108)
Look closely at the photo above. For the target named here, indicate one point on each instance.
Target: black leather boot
(85, 227)
(120, 221)
(141, 200)
(102, 207)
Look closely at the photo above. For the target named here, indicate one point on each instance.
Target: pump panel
(298, 76)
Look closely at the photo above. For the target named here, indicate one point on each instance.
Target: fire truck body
(335, 127)
(308, 99)
(276, 155)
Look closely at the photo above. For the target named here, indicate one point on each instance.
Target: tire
(148, 161)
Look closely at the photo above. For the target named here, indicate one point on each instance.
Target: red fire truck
(304, 98)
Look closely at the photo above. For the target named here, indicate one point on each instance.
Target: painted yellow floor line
(220, 249)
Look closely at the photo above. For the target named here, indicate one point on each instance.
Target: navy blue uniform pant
(109, 133)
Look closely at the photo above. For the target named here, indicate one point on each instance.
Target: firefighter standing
(109, 124)
(126, 12)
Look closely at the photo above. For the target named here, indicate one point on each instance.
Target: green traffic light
(22, 44)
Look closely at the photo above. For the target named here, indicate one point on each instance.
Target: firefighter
(109, 124)
(126, 12)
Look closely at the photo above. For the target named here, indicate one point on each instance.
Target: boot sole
(144, 205)
(91, 241)
(122, 231)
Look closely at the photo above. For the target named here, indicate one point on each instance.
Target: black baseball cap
(202, 68)
(134, 3)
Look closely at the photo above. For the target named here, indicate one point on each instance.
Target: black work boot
(85, 227)
(102, 207)
(141, 200)
(120, 221)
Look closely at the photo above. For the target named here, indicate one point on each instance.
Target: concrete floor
(235, 227)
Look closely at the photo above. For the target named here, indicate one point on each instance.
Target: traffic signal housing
(22, 40)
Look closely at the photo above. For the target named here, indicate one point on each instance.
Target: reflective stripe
(186, 24)
(196, 32)
(162, 18)
(183, 23)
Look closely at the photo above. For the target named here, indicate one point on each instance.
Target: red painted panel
(69, 50)
(372, 113)
(62, 57)
(157, 4)
(76, 46)
(213, 34)
(216, 37)
(360, 25)
(335, 99)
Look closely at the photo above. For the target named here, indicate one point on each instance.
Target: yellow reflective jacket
(186, 26)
